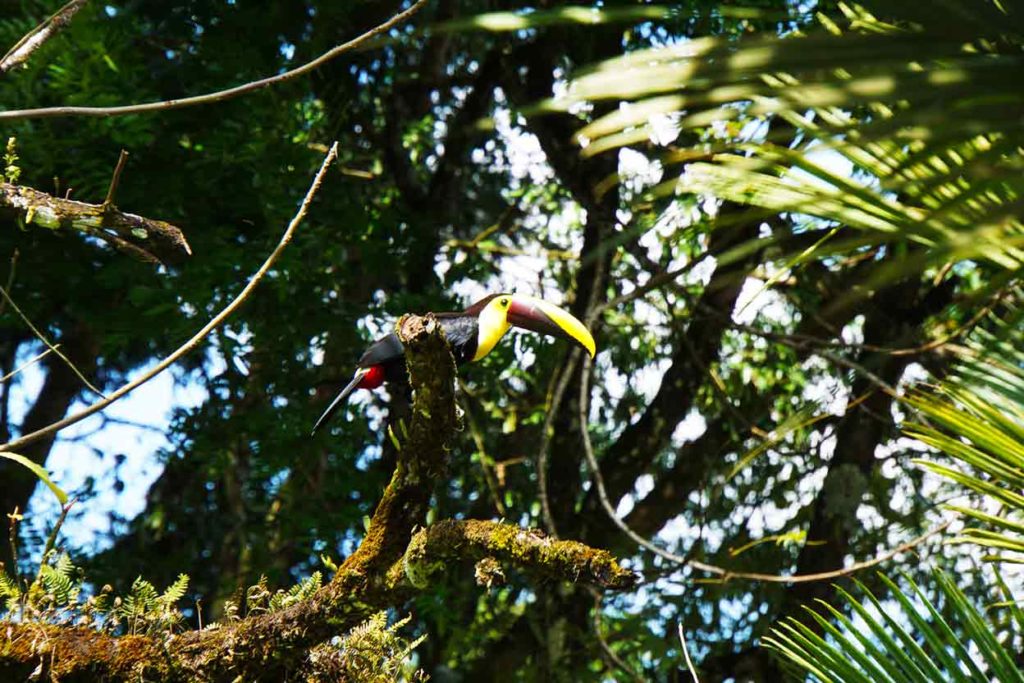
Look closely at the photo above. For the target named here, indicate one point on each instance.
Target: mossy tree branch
(144, 238)
(394, 560)
(433, 548)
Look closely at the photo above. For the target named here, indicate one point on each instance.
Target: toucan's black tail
(339, 399)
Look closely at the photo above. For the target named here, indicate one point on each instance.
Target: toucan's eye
(504, 303)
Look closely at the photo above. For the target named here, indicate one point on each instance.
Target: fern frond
(175, 592)
(297, 593)
(8, 586)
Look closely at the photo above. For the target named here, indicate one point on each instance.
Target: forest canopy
(793, 229)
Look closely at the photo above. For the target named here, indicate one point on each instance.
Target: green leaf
(39, 472)
(904, 645)
(919, 110)
(175, 592)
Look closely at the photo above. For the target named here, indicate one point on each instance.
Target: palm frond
(922, 119)
(911, 642)
(976, 417)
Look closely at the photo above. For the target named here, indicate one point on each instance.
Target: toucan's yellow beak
(537, 315)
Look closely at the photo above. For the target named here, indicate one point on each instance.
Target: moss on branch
(531, 550)
(144, 238)
(79, 654)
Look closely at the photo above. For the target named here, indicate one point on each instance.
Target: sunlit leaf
(40, 472)
(906, 647)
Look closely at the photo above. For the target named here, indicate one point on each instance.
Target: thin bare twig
(595, 473)
(819, 347)
(39, 335)
(201, 334)
(726, 574)
(615, 660)
(51, 540)
(858, 367)
(32, 41)
(12, 539)
(10, 278)
(122, 422)
(486, 247)
(807, 341)
(686, 654)
(485, 459)
(220, 95)
(28, 363)
(654, 282)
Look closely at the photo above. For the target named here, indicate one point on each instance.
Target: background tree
(749, 346)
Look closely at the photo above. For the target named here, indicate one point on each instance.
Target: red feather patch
(373, 378)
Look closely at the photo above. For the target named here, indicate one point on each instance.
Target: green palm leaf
(914, 644)
(927, 113)
(976, 418)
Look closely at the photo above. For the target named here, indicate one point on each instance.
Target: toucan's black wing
(385, 351)
(462, 332)
(460, 329)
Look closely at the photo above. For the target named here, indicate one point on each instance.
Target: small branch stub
(115, 180)
(488, 573)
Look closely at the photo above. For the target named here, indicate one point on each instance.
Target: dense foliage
(766, 263)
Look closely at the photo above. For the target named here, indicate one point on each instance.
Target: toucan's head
(498, 312)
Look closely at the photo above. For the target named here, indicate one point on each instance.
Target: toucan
(471, 333)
